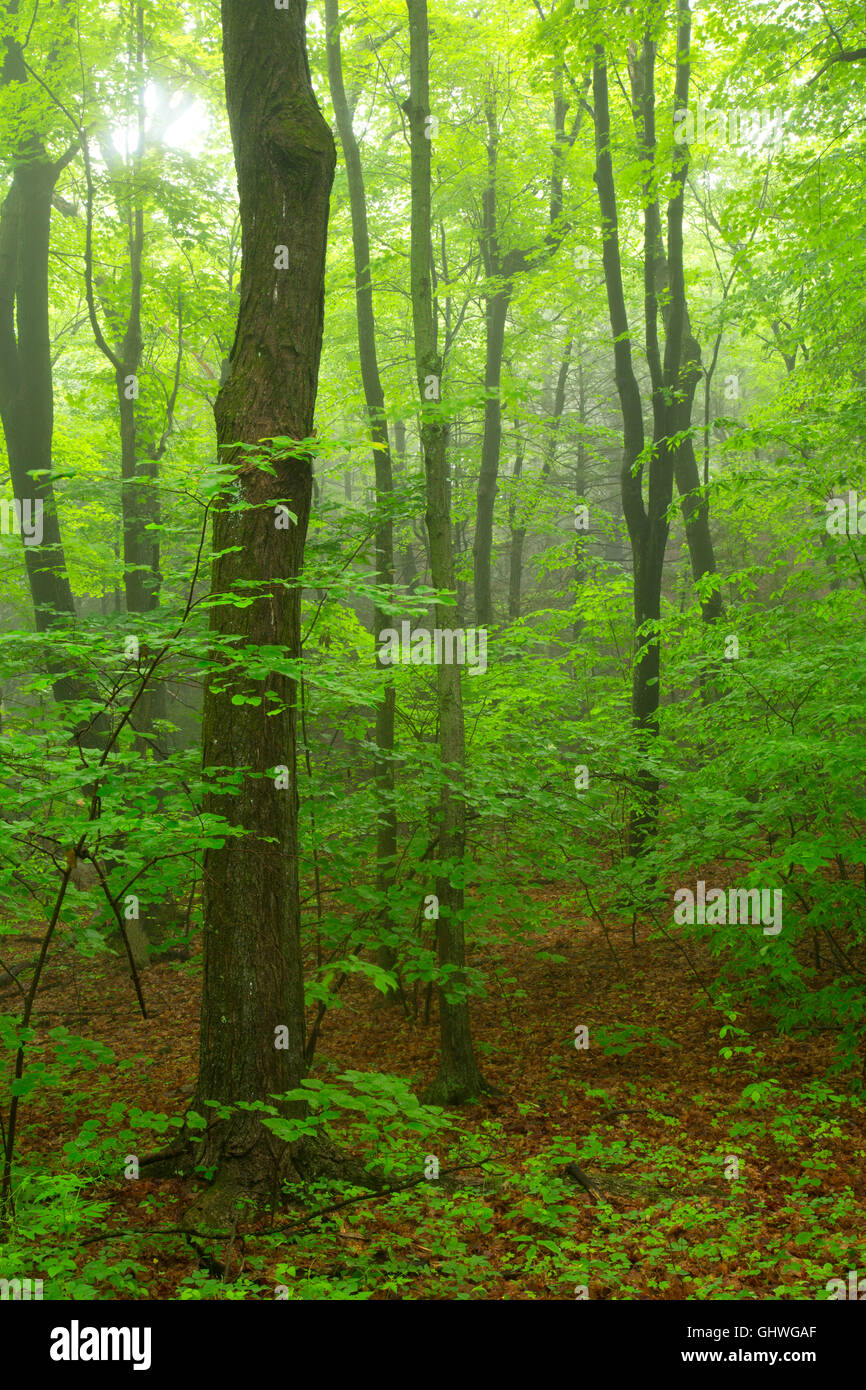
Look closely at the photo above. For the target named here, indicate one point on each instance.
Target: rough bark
(458, 1077)
(252, 977)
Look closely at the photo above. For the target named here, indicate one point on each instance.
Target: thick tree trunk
(253, 982)
(374, 396)
(458, 1077)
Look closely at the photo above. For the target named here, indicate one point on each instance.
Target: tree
(374, 396)
(693, 502)
(142, 442)
(253, 982)
(458, 1077)
(26, 377)
(502, 269)
(647, 521)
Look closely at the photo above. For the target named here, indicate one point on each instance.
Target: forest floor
(655, 1126)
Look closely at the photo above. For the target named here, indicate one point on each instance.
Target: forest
(432, 701)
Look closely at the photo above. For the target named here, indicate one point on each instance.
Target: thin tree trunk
(386, 831)
(495, 315)
(409, 566)
(458, 1077)
(501, 269)
(579, 570)
(139, 464)
(647, 525)
(518, 532)
(693, 499)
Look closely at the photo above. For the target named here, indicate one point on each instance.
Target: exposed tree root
(248, 1181)
(449, 1091)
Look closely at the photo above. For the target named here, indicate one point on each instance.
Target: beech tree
(374, 396)
(502, 269)
(458, 1077)
(648, 520)
(612, 792)
(26, 377)
(252, 1014)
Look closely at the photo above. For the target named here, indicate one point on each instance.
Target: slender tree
(647, 521)
(551, 435)
(374, 396)
(458, 1077)
(693, 499)
(142, 443)
(502, 269)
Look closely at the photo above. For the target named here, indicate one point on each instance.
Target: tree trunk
(693, 500)
(26, 379)
(647, 533)
(252, 978)
(458, 1078)
(518, 532)
(580, 480)
(139, 459)
(671, 409)
(496, 305)
(374, 396)
(501, 270)
(495, 315)
(26, 385)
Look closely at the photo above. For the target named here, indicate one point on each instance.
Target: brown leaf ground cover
(654, 1119)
